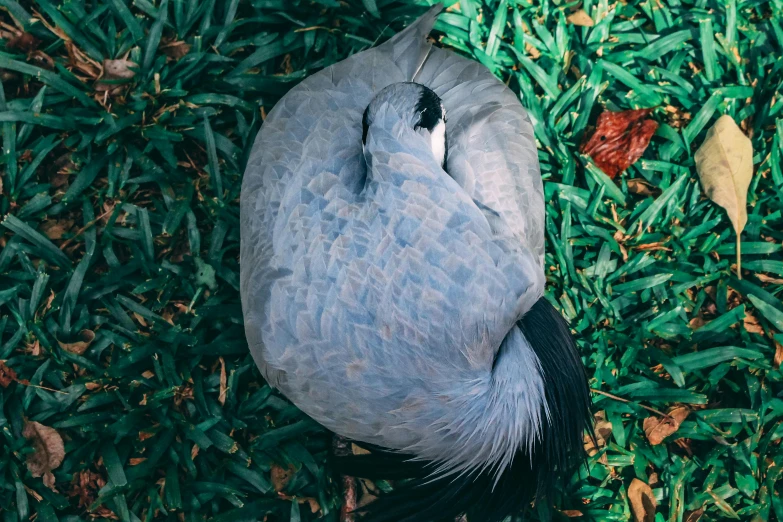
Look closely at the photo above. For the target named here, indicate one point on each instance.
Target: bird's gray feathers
(377, 298)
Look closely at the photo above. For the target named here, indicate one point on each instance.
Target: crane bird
(392, 281)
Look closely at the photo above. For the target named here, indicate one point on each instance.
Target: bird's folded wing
(491, 146)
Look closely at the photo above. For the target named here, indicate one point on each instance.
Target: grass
(120, 241)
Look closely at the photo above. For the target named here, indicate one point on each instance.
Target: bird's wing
(491, 147)
(301, 186)
(311, 137)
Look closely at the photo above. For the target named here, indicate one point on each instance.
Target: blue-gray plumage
(387, 265)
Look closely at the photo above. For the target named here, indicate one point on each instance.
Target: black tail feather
(422, 496)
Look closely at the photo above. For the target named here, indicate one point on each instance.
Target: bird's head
(418, 107)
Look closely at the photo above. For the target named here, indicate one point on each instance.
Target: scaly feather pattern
(386, 296)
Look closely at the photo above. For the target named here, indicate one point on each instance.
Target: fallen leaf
(85, 485)
(48, 453)
(752, 324)
(572, 513)
(223, 386)
(620, 138)
(658, 428)
(778, 355)
(693, 516)
(135, 461)
(281, 476)
(603, 432)
(115, 70)
(369, 493)
(725, 165)
(86, 337)
(580, 18)
(642, 501)
(641, 187)
(175, 50)
(7, 375)
(55, 229)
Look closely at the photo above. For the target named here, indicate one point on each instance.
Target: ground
(125, 128)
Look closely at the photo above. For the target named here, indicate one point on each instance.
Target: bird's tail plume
(427, 494)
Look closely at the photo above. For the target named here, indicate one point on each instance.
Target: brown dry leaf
(572, 513)
(86, 485)
(56, 228)
(115, 70)
(778, 355)
(175, 50)
(658, 428)
(620, 138)
(603, 432)
(223, 383)
(135, 461)
(725, 166)
(581, 18)
(642, 501)
(86, 337)
(49, 451)
(641, 187)
(281, 477)
(752, 324)
(7, 375)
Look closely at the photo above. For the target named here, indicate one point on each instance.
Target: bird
(392, 282)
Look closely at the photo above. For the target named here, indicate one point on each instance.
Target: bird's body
(382, 293)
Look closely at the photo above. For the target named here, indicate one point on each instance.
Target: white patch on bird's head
(418, 107)
(438, 142)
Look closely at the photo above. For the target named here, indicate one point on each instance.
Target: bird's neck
(393, 149)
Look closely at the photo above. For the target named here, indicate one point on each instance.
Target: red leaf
(620, 138)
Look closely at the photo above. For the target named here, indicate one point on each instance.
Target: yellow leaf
(725, 165)
(642, 501)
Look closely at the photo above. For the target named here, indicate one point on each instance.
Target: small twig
(620, 399)
(24, 383)
(84, 228)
